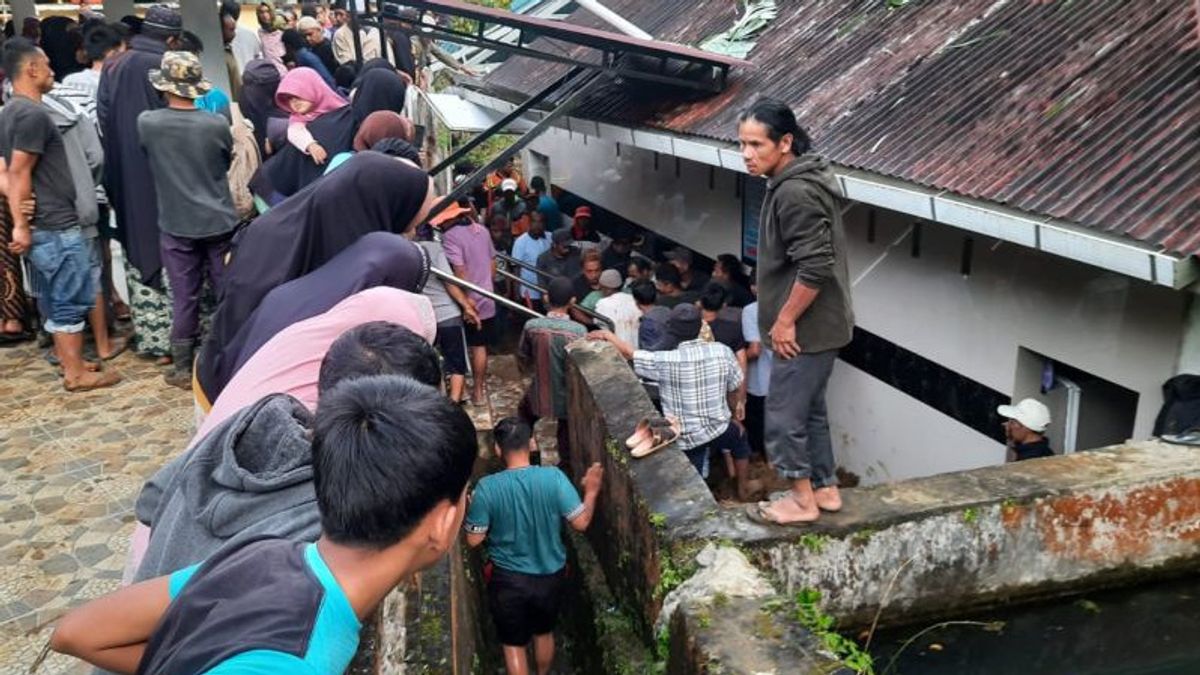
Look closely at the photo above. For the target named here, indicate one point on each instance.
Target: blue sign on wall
(754, 190)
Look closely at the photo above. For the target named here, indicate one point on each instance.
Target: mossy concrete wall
(908, 550)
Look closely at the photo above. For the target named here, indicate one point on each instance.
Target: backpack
(245, 162)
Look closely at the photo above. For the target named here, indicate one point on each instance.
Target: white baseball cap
(1031, 413)
(508, 185)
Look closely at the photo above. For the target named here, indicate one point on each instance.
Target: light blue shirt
(527, 249)
(758, 374)
(331, 646)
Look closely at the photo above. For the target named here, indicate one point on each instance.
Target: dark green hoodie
(801, 239)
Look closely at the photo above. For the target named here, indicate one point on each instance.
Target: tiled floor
(71, 466)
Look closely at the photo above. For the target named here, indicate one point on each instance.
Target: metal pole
(358, 48)
(451, 279)
(521, 263)
(520, 280)
(582, 310)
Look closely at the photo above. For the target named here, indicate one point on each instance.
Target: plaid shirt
(693, 381)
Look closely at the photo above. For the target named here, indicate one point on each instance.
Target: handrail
(521, 263)
(450, 278)
(582, 310)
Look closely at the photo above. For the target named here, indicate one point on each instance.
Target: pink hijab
(306, 84)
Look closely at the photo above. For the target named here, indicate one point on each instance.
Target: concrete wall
(686, 207)
(1123, 330)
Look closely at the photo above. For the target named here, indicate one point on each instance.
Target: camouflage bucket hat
(181, 74)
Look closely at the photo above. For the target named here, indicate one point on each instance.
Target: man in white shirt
(343, 38)
(619, 307)
(758, 373)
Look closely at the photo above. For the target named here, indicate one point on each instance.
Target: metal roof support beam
(582, 85)
(503, 123)
(613, 19)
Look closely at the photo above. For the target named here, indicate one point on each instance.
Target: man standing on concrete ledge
(805, 314)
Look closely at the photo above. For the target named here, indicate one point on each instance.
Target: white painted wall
(681, 207)
(1123, 330)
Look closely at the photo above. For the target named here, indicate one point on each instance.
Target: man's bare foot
(88, 381)
(13, 327)
(828, 498)
(115, 347)
(785, 511)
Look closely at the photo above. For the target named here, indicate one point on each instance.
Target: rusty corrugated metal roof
(1086, 111)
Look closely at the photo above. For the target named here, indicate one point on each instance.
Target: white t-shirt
(624, 312)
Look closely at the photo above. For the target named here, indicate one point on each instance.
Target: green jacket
(801, 239)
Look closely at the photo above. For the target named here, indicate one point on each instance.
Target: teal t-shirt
(334, 635)
(522, 512)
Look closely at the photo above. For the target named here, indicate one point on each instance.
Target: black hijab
(376, 259)
(60, 41)
(368, 66)
(259, 83)
(371, 192)
(289, 170)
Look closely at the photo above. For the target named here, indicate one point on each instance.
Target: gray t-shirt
(190, 152)
(444, 306)
(26, 126)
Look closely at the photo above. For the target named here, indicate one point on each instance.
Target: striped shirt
(693, 381)
(543, 350)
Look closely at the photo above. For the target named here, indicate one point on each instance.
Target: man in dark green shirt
(519, 512)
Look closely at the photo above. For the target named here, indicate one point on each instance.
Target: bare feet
(13, 327)
(828, 498)
(89, 380)
(785, 511)
(115, 347)
(163, 361)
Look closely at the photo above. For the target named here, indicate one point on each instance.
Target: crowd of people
(284, 263)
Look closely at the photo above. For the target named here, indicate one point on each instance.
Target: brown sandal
(663, 432)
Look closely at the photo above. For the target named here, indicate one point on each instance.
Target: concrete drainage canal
(668, 580)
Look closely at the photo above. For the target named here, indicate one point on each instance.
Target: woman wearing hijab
(289, 171)
(60, 40)
(260, 81)
(376, 259)
(380, 125)
(370, 193)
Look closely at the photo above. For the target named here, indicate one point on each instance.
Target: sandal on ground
(122, 345)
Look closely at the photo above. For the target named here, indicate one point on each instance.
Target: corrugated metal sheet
(1086, 110)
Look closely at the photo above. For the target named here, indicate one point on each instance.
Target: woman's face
(719, 272)
(299, 105)
(266, 17)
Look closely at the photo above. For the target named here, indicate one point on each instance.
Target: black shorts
(482, 336)
(524, 605)
(449, 341)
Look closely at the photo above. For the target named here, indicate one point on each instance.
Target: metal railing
(524, 265)
(463, 283)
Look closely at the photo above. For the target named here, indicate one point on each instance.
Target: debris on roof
(740, 39)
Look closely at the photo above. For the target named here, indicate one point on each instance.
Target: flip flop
(757, 512)
(639, 433)
(660, 437)
(120, 350)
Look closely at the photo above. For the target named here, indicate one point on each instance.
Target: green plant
(808, 613)
(720, 600)
(970, 515)
(1087, 606)
(658, 520)
(815, 543)
(470, 25)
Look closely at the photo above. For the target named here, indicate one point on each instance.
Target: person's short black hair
(190, 42)
(16, 54)
(308, 9)
(512, 435)
(642, 263)
(345, 74)
(713, 297)
(560, 291)
(779, 120)
(734, 268)
(100, 40)
(644, 292)
(294, 40)
(668, 274)
(386, 450)
(378, 348)
(231, 9)
(537, 183)
(398, 147)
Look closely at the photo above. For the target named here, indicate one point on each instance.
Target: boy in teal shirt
(520, 511)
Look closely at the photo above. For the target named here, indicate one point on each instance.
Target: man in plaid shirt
(698, 383)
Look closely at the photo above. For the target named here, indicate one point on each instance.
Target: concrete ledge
(1019, 532)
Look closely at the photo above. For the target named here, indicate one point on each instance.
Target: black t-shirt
(26, 126)
(190, 152)
(1033, 450)
(728, 333)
